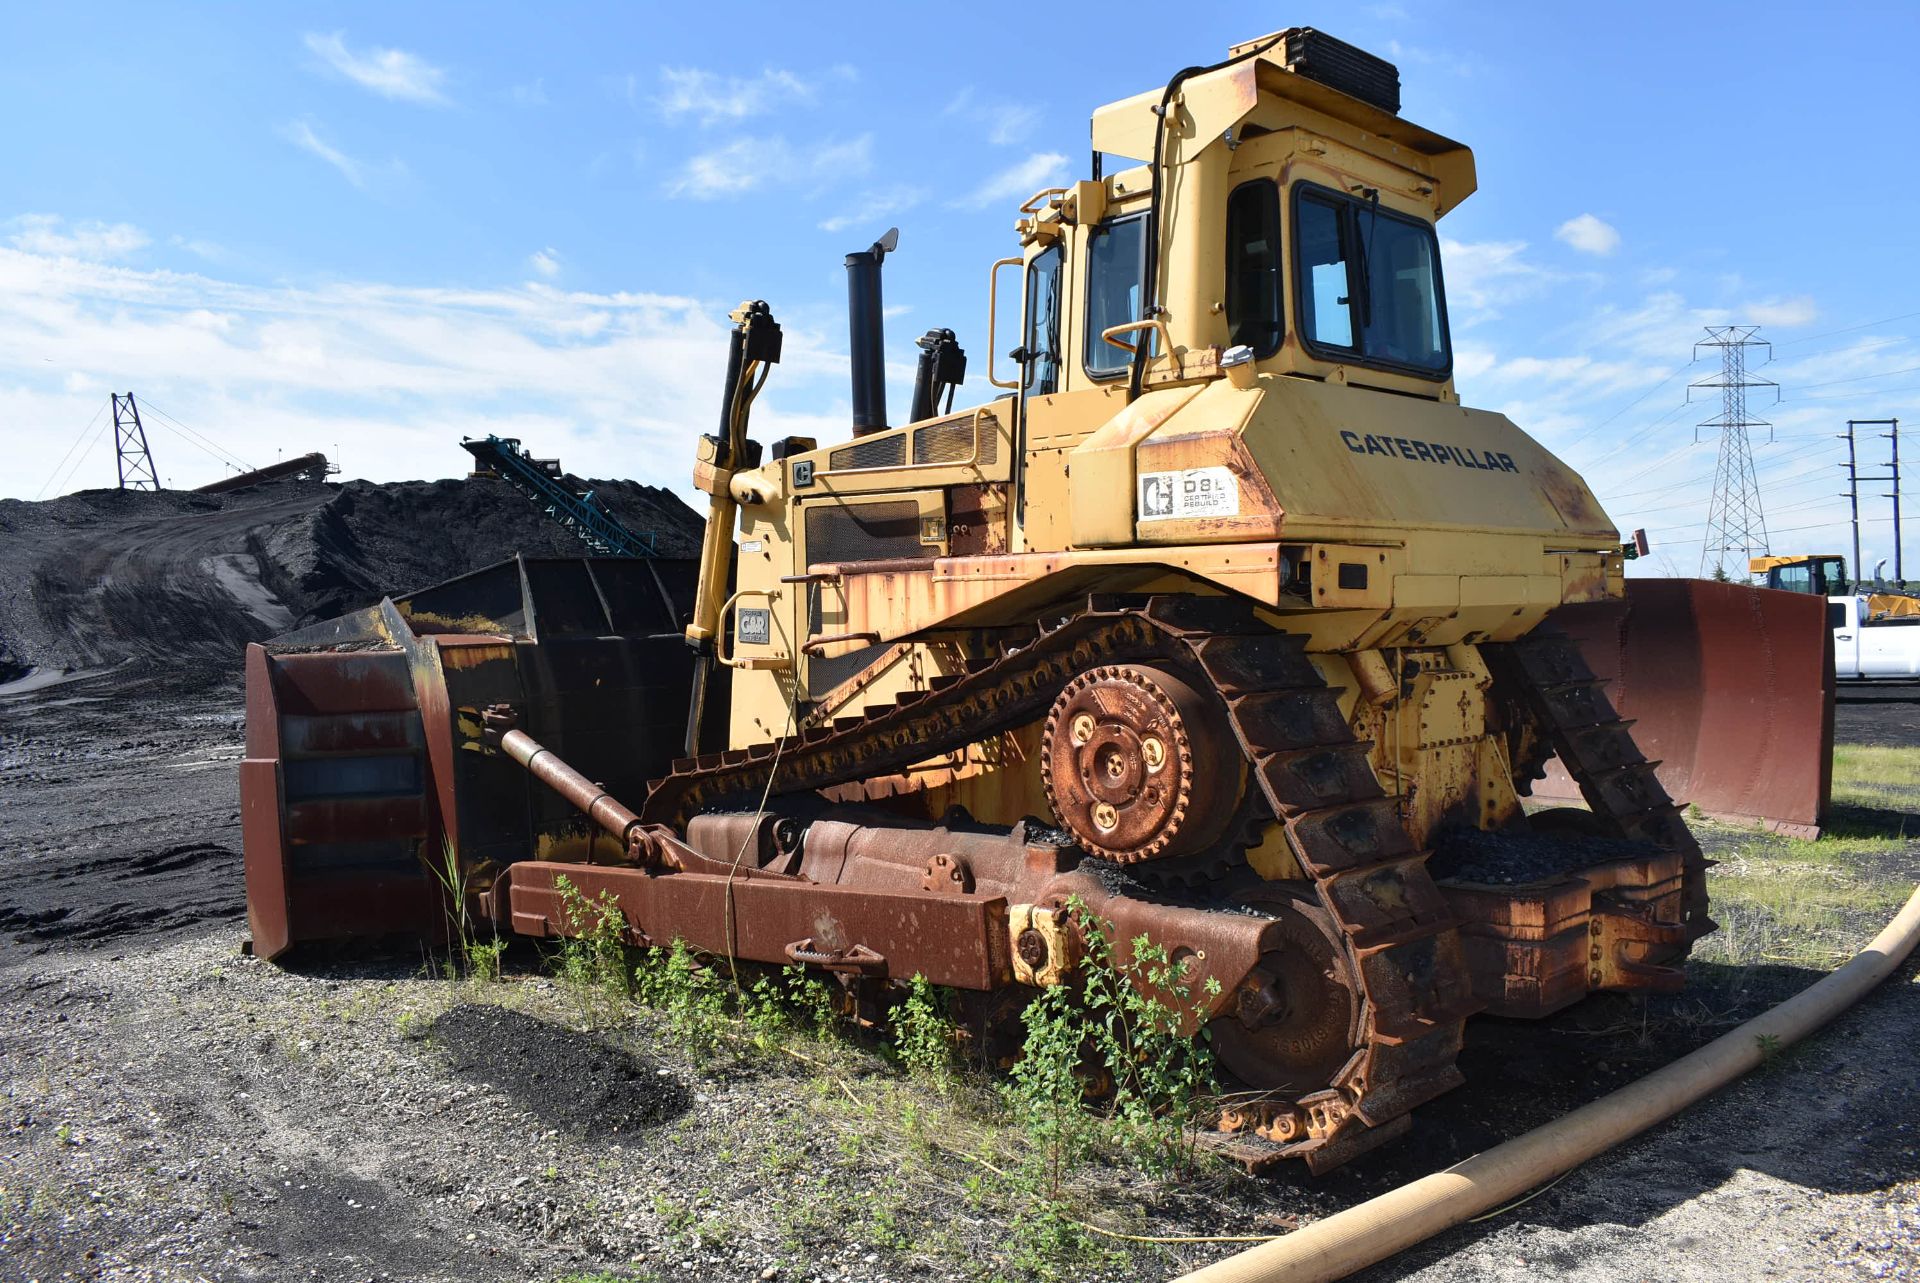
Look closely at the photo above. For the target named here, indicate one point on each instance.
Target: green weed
(923, 1033)
(594, 964)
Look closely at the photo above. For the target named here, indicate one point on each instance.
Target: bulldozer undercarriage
(1178, 730)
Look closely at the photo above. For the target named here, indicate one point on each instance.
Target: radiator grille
(874, 452)
(863, 531)
(952, 442)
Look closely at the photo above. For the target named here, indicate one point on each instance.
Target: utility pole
(130, 442)
(1735, 522)
(1853, 489)
(1893, 463)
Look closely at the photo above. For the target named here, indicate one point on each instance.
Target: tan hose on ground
(1379, 1227)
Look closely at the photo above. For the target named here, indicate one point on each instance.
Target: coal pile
(569, 1080)
(173, 585)
(1519, 857)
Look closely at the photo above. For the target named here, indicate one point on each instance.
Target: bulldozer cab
(1238, 323)
(1290, 218)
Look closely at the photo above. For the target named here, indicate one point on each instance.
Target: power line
(1865, 325)
(1861, 378)
(217, 450)
(98, 411)
(1629, 405)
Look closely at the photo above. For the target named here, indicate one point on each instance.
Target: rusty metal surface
(1305, 767)
(365, 743)
(959, 941)
(333, 805)
(1140, 764)
(901, 599)
(1614, 926)
(1730, 689)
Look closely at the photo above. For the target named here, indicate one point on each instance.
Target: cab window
(1793, 578)
(1326, 302)
(1369, 283)
(1116, 253)
(1253, 267)
(1043, 323)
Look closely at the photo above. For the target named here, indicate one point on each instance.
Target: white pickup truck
(1867, 649)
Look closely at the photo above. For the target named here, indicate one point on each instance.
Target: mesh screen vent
(952, 442)
(874, 452)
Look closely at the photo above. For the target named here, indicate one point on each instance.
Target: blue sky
(369, 229)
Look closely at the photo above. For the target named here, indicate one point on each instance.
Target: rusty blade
(1729, 688)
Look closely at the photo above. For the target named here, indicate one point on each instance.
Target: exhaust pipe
(866, 335)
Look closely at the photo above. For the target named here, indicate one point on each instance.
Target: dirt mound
(567, 1079)
(176, 584)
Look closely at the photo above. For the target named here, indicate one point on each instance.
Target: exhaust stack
(866, 335)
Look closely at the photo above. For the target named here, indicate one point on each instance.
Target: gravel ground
(174, 1110)
(1877, 713)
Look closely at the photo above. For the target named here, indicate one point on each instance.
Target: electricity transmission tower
(1734, 520)
(130, 439)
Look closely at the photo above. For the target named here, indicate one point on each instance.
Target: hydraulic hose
(1376, 1229)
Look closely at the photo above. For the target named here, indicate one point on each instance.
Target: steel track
(1400, 940)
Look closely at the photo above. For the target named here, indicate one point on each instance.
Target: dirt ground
(173, 1110)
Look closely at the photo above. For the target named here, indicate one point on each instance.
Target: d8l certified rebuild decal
(1191, 492)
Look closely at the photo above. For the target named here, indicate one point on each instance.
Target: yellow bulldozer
(1220, 621)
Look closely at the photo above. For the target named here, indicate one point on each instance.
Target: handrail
(1155, 324)
(722, 632)
(993, 317)
(1031, 205)
(811, 648)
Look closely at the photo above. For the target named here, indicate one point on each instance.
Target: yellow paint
(1373, 513)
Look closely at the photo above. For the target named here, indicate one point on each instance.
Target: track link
(1546, 684)
(1400, 939)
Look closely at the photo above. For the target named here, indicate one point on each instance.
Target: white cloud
(50, 234)
(531, 94)
(872, 206)
(367, 366)
(1484, 276)
(746, 164)
(1017, 182)
(712, 98)
(391, 73)
(1782, 311)
(1589, 235)
(546, 262)
(301, 135)
(1004, 123)
(208, 250)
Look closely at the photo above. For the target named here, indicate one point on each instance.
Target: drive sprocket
(1140, 765)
